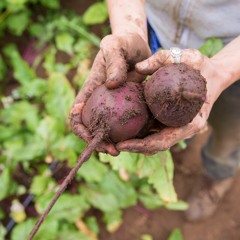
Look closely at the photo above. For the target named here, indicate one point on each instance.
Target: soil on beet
(175, 94)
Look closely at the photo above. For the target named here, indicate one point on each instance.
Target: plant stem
(86, 154)
(89, 36)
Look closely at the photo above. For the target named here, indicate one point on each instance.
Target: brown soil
(223, 225)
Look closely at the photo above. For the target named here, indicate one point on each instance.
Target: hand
(113, 65)
(169, 136)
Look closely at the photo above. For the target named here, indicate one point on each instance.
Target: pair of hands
(127, 58)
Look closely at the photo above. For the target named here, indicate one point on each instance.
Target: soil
(223, 225)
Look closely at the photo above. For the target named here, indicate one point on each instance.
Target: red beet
(120, 112)
(116, 115)
(175, 94)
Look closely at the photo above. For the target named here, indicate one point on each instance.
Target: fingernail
(111, 83)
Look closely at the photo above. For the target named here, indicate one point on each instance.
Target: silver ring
(176, 54)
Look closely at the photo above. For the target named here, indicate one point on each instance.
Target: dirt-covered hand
(169, 136)
(113, 65)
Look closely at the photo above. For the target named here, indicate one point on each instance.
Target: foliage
(38, 87)
(176, 235)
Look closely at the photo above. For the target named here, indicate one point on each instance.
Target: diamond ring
(176, 54)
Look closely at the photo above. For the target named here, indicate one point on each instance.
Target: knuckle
(109, 41)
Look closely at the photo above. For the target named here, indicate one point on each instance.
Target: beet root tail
(86, 154)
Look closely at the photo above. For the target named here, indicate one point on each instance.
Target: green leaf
(68, 207)
(162, 178)
(211, 47)
(124, 160)
(16, 5)
(68, 148)
(37, 29)
(113, 220)
(124, 192)
(93, 170)
(2, 214)
(149, 199)
(23, 147)
(49, 61)
(176, 235)
(39, 184)
(97, 13)
(19, 115)
(182, 144)
(3, 232)
(72, 235)
(6, 132)
(53, 4)
(104, 201)
(7, 186)
(3, 68)
(148, 165)
(146, 237)
(35, 89)
(92, 224)
(48, 230)
(177, 206)
(60, 97)
(50, 130)
(22, 72)
(18, 22)
(64, 42)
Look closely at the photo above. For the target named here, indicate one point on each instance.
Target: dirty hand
(169, 136)
(113, 65)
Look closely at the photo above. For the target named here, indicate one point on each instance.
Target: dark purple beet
(175, 93)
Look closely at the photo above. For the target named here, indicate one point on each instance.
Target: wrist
(227, 73)
(217, 79)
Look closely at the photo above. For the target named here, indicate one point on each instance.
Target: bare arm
(128, 16)
(228, 62)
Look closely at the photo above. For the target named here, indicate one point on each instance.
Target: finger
(134, 76)
(108, 148)
(96, 77)
(191, 57)
(81, 131)
(115, 60)
(152, 64)
(156, 142)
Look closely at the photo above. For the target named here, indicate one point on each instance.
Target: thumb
(153, 63)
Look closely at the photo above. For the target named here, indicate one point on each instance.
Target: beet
(116, 115)
(120, 112)
(175, 93)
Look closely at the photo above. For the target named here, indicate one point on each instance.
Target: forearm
(228, 62)
(128, 16)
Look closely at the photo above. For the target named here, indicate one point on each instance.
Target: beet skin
(120, 112)
(175, 93)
